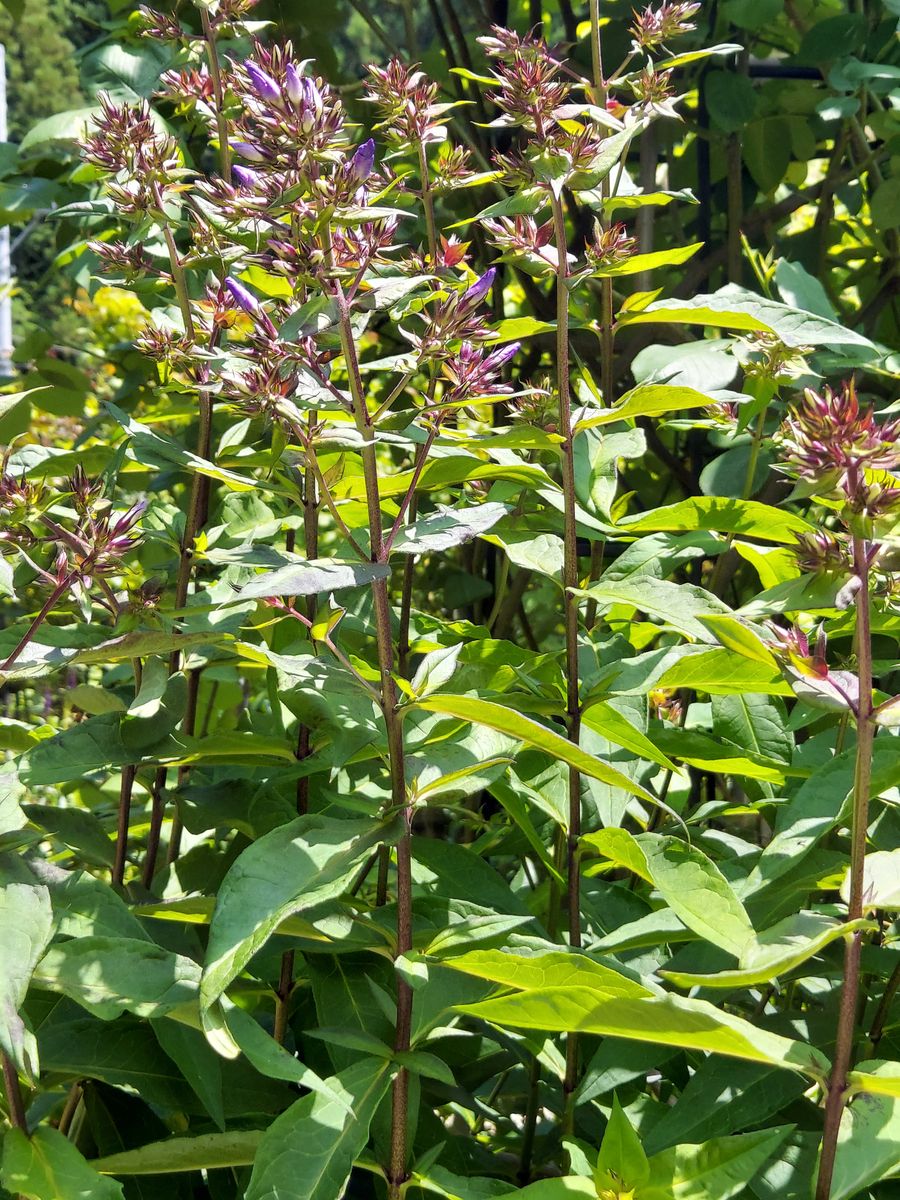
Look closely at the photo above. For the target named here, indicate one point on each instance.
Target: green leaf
(697, 892)
(778, 950)
(648, 262)
(447, 527)
(734, 635)
(691, 884)
(562, 1188)
(664, 1020)
(722, 514)
(730, 98)
(205, 1152)
(721, 672)
(197, 1062)
(678, 606)
(716, 1170)
(286, 871)
(545, 970)
(649, 400)
(26, 926)
(611, 724)
(108, 976)
(733, 307)
(723, 1096)
(755, 722)
(877, 1077)
(308, 1152)
(507, 720)
(868, 1148)
(47, 1166)
(881, 881)
(310, 577)
(621, 1163)
(515, 328)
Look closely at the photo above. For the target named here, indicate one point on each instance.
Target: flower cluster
(833, 443)
(521, 239)
(406, 100)
(610, 247)
(90, 550)
(655, 26)
(473, 373)
(144, 164)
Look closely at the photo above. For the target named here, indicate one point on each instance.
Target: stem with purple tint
(865, 735)
(570, 612)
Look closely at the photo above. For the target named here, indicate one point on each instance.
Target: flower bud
(363, 161)
(264, 85)
(242, 297)
(479, 289)
(249, 151)
(245, 177)
(293, 84)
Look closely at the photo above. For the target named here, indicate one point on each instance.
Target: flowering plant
(451, 818)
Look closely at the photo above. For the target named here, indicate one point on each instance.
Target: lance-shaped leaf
(868, 1148)
(663, 1020)
(26, 925)
(448, 527)
(719, 1169)
(721, 514)
(546, 970)
(621, 1162)
(111, 975)
(507, 720)
(649, 400)
(294, 867)
(735, 308)
(310, 577)
(47, 1166)
(308, 1152)
(206, 1152)
(778, 950)
(691, 884)
(677, 605)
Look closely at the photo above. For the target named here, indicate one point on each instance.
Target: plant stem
(125, 789)
(570, 609)
(380, 553)
(865, 736)
(13, 1093)
(212, 58)
(38, 621)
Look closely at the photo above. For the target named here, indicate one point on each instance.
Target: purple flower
(249, 151)
(499, 358)
(312, 97)
(264, 85)
(242, 297)
(244, 177)
(479, 289)
(363, 161)
(293, 83)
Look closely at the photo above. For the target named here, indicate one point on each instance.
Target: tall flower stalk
(837, 447)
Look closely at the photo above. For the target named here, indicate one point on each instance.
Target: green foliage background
(215, 1017)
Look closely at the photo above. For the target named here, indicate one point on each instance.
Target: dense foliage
(449, 611)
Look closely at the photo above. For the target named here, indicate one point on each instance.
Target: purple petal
(242, 297)
(363, 161)
(479, 289)
(293, 83)
(249, 151)
(264, 85)
(245, 177)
